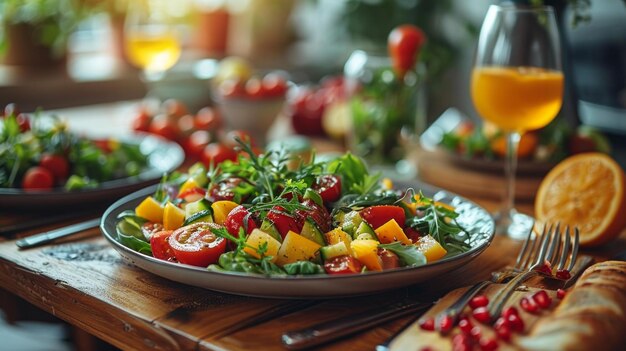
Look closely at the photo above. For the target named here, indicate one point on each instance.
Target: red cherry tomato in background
(379, 215)
(232, 88)
(173, 107)
(224, 190)
(196, 244)
(196, 142)
(404, 44)
(231, 138)
(141, 122)
(216, 153)
(343, 265)
(11, 110)
(328, 186)
(185, 125)
(254, 89)
(164, 126)
(274, 85)
(306, 109)
(38, 178)
(159, 243)
(23, 121)
(207, 119)
(56, 164)
(240, 217)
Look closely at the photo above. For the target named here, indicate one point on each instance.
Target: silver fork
(454, 311)
(552, 247)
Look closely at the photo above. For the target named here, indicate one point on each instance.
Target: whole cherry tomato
(231, 138)
(186, 125)
(23, 121)
(404, 44)
(328, 186)
(141, 122)
(343, 265)
(38, 178)
(216, 153)
(238, 218)
(232, 88)
(379, 215)
(284, 221)
(196, 142)
(197, 245)
(173, 107)
(274, 85)
(254, 89)
(306, 110)
(56, 164)
(159, 243)
(164, 126)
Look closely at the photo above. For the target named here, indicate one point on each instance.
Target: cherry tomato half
(148, 229)
(38, 178)
(240, 217)
(319, 214)
(329, 187)
(56, 164)
(343, 265)
(196, 244)
(161, 249)
(379, 215)
(284, 221)
(404, 43)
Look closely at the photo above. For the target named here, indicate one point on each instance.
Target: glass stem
(510, 168)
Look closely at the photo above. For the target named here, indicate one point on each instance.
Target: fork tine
(536, 240)
(524, 249)
(574, 249)
(554, 241)
(566, 249)
(545, 241)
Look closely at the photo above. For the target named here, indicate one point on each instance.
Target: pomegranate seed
(516, 323)
(501, 322)
(563, 274)
(546, 268)
(465, 325)
(503, 331)
(482, 314)
(528, 305)
(475, 333)
(488, 344)
(461, 342)
(446, 324)
(478, 301)
(542, 299)
(427, 324)
(560, 294)
(509, 311)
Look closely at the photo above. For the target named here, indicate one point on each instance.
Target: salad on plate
(264, 214)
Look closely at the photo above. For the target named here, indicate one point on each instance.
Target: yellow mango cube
(336, 236)
(391, 232)
(150, 209)
(173, 216)
(295, 248)
(188, 185)
(366, 251)
(430, 248)
(221, 209)
(258, 238)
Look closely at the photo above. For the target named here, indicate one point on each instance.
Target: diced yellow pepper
(150, 209)
(390, 232)
(258, 238)
(295, 247)
(366, 251)
(338, 235)
(187, 185)
(173, 216)
(221, 209)
(430, 248)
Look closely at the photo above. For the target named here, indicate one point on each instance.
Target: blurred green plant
(52, 20)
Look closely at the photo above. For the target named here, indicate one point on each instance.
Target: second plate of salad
(266, 226)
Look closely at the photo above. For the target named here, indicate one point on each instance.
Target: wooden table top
(85, 282)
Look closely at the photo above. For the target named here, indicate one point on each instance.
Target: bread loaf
(592, 316)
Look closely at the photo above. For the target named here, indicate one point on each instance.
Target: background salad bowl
(473, 218)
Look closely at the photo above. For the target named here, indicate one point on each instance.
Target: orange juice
(517, 98)
(153, 52)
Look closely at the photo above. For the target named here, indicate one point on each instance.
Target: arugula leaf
(354, 174)
(409, 255)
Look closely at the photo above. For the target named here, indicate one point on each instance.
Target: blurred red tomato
(185, 125)
(216, 153)
(11, 109)
(306, 110)
(196, 142)
(141, 122)
(207, 119)
(38, 178)
(274, 85)
(254, 89)
(23, 121)
(164, 126)
(231, 137)
(232, 88)
(56, 164)
(173, 107)
(404, 44)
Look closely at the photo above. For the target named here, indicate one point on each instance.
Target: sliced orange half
(586, 190)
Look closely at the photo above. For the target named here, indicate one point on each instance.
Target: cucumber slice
(365, 229)
(311, 231)
(351, 222)
(331, 251)
(197, 206)
(202, 216)
(268, 227)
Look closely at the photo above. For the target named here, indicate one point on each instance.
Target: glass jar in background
(388, 112)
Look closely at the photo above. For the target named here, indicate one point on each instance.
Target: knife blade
(49, 236)
(328, 331)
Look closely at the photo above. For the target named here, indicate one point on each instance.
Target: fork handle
(454, 310)
(497, 304)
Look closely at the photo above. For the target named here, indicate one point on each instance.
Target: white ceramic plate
(163, 157)
(473, 218)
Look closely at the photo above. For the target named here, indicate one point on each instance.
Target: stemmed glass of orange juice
(151, 39)
(517, 85)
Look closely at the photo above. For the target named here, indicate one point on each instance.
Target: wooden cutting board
(437, 169)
